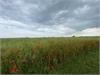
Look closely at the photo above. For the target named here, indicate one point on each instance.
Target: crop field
(63, 55)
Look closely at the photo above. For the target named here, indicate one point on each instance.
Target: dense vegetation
(50, 55)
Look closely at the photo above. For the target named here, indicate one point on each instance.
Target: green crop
(50, 56)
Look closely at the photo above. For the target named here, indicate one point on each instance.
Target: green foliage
(50, 55)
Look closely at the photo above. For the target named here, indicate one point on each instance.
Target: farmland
(70, 55)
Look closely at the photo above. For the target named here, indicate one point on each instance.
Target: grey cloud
(91, 17)
(47, 14)
(38, 14)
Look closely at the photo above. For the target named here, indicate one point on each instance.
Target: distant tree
(73, 36)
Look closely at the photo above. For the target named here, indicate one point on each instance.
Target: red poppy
(13, 69)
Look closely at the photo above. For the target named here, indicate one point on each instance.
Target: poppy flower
(13, 69)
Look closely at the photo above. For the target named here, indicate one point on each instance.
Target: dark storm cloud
(49, 13)
(56, 16)
(87, 13)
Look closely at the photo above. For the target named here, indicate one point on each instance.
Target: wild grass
(50, 56)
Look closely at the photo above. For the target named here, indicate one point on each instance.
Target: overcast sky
(26, 18)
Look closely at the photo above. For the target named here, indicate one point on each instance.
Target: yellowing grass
(48, 55)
